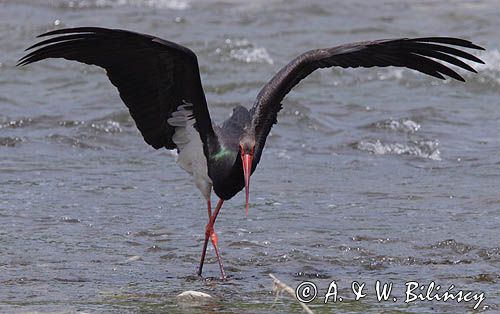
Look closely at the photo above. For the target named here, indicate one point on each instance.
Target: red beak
(247, 170)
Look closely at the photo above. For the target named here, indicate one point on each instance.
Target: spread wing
(154, 76)
(421, 54)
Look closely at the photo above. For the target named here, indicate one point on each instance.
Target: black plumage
(158, 79)
(414, 53)
(152, 75)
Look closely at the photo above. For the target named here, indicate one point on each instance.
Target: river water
(371, 174)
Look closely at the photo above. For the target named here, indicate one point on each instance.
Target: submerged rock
(191, 295)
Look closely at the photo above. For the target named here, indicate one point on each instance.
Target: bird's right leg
(213, 236)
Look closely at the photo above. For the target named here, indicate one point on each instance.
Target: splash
(244, 50)
(420, 148)
(491, 60)
(490, 70)
(401, 125)
(251, 55)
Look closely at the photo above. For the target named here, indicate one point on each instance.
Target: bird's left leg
(213, 236)
(210, 233)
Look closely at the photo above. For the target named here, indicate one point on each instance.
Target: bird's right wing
(154, 76)
(419, 54)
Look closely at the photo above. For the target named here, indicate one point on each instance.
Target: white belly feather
(191, 157)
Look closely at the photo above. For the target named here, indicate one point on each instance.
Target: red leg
(205, 243)
(215, 240)
(209, 207)
(210, 233)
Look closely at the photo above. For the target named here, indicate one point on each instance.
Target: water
(371, 174)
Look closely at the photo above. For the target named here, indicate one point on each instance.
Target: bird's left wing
(154, 76)
(418, 54)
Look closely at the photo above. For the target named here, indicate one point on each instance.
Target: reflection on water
(371, 174)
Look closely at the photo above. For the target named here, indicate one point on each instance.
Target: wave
(421, 148)
(72, 141)
(402, 125)
(108, 126)
(19, 123)
(156, 4)
(10, 141)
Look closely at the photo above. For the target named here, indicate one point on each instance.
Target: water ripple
(10, 141)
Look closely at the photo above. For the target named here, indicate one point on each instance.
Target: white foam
(157, 4)
(489, 72)
(244, 50)
(250, 55)
(491, 60)
(109, 126)
(405, 125)
(423, 148)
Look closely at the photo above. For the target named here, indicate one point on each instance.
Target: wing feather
(424, 54)
(153, 76)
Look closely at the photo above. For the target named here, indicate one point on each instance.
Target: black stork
(159, 82)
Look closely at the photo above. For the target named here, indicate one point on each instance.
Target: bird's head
(247, 148)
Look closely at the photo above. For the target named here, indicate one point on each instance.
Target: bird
(159, 81)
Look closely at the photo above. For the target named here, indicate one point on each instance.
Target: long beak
(247, 170)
